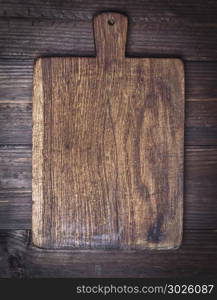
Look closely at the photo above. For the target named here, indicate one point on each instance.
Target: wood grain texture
(16, 80)
(200, 205)
(201, 78)
(16, 97)
(200, 188)
(142, 11)
(37, 27)
(15, 123)
(196, 258)
(108, 147)
(16, 168)
(181, 28)
(200, 122)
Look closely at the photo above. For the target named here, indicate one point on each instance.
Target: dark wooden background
(184, 28)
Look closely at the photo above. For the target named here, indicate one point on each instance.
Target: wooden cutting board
(108, 147)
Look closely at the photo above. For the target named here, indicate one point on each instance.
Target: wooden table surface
(180, 29)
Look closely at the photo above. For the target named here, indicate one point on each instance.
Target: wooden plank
(15, 191)
(200, 205)
(15, 210)
(83, 10)
(123, 266)
(200, 122)
(198, 114)
(15, 169)
(159, 28)
(201, 136)
(196, 258)
(15, 123)
(16, 87)
(108, 136)
(200, 202)
(201, 78)
(16, 80)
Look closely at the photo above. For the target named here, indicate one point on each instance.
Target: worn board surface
(157, 29)
(108, 147)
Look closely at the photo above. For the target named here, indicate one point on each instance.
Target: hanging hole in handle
(111, 22)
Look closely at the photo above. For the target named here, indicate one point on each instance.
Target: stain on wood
(108, 134)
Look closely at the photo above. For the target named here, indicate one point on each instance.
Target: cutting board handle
(110, 32)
